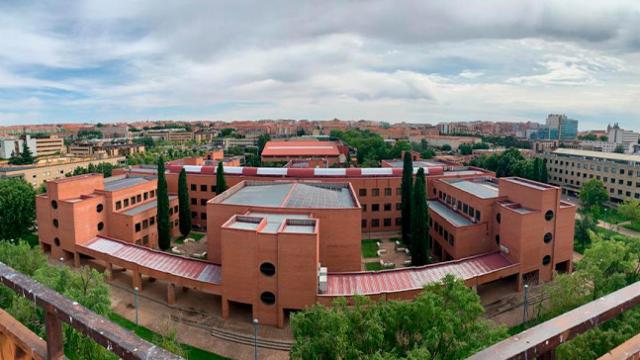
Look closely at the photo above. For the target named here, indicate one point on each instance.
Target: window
(133, 200)
(99, 208)
(267, 269)
(152, 193)
(152, 220)
(375, 207)
(118, 205)
(363, 223)
(146, 195)
(362, 192)
(54, 204)
(138, 228)
(546, 260)
(145, 240)
(100, 226)
(387, 191)
(465, 208)
(375, 223)
(203, 188)
(477, 215)
(472, 211)
(268, 298)
(398, 206)
(548, 237)
(145, 223)
(56, 241)
(194, 201)
(203, 202)
(548, 215)
(387, 207)
(498, 217)
(386, 222)
(139, 198)
(375, 192)
(497, 239)
(451, 240)
(364, 207)
(203, 216)
(193, 187)
(175, 209)
(170, 211)
(213, 188)
(55, 223)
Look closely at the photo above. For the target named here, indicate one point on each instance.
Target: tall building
(557, 127)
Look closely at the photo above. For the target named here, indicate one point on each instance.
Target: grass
(369, 248)
(197, 236)
(193, 353)
(373, 266)
(635, 226)
(612, 216)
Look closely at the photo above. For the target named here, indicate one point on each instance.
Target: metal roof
(120, 184)
(598, 155)
(293, 195)
(481, 189)
(157, 260)
(448, 214)
(275, 220)
(303, 172)
(377, 282)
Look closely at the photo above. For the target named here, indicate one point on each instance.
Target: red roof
(301, 148)
(378, 282)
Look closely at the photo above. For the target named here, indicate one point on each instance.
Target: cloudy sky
(419, 61)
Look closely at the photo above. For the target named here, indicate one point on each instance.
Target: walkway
(619, 228)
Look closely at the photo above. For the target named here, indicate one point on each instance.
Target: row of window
(440, 230)
(203, 215)
(376, 222)
(145, 223)
(376, 207)
(593, 167)
(459, 206)
(203, 202)
(120, 204)
(611, 190)
(376, 192)
(143, 241)
(203, 188)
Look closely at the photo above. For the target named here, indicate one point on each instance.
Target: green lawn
(197, 236)
(193, 353)
(369, 248)
(373, 266)
(633, 226)
(612, 216)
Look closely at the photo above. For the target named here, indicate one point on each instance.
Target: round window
(267, 269)
(548, 215)
(498, 239)
(100, 226)
(56, 241)
(268, 297)
(548, 237)
(99, 208)
(546, 260)
(498, 218)
(55, 222)
(54, 204)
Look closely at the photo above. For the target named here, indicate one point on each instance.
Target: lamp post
(135, 301)
(526, 304)
(255, 338)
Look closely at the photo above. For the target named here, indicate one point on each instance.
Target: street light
(255, 338)
(526, 304)
(135, 301)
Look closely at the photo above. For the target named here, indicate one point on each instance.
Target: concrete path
(619, 228)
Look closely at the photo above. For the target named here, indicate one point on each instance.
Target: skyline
(426, 62)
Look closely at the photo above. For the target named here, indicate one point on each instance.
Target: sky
(424, 61)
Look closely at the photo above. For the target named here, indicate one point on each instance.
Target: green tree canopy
(406, 201)
(465, 149)
(443, 322)
(17, 208)
(184, 204)
(593, 195)
(164, 226)
(263, 139)
(221, 183)
(630, 209)
(419, 232)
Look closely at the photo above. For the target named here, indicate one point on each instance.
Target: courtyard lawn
(635, 226)
(373, 266)
(612, 216)
(369, 248)
(193, 353)
(197, 236)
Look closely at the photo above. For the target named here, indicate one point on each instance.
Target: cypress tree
(221, 184)
(164, 227)
(26, 155)
(419, 233)
(183, 203)
(405, 201)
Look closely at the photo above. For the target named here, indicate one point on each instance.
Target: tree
(262, 141)
(465, 149)
(619, 149)
(221, 184)
(443, 322)
(164, 227)
(445, 147)
(583, 228)
(183, 204)
(406, 199)
(630, 209)
(25, 154)
(419, 231)
(17, 208)
(592, 196)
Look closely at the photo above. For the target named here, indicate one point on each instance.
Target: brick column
(171, 294)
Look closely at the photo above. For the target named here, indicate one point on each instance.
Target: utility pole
(135, 301)
(255, 338)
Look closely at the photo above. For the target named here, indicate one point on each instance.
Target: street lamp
(135, 301)
(255, 338)
(526, 304)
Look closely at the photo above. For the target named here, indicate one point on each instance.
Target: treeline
(104, 168)
(168, 153)
(371, 147)
(513, 163)
(507, 142)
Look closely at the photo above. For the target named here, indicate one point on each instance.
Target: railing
(540, 342)
(59, 309)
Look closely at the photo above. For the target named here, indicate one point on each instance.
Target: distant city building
(285, 151)
(557, 127)
(39, 146)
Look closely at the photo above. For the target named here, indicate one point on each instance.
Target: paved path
(619, 228)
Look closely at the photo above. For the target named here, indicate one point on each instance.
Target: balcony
(18, 342)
